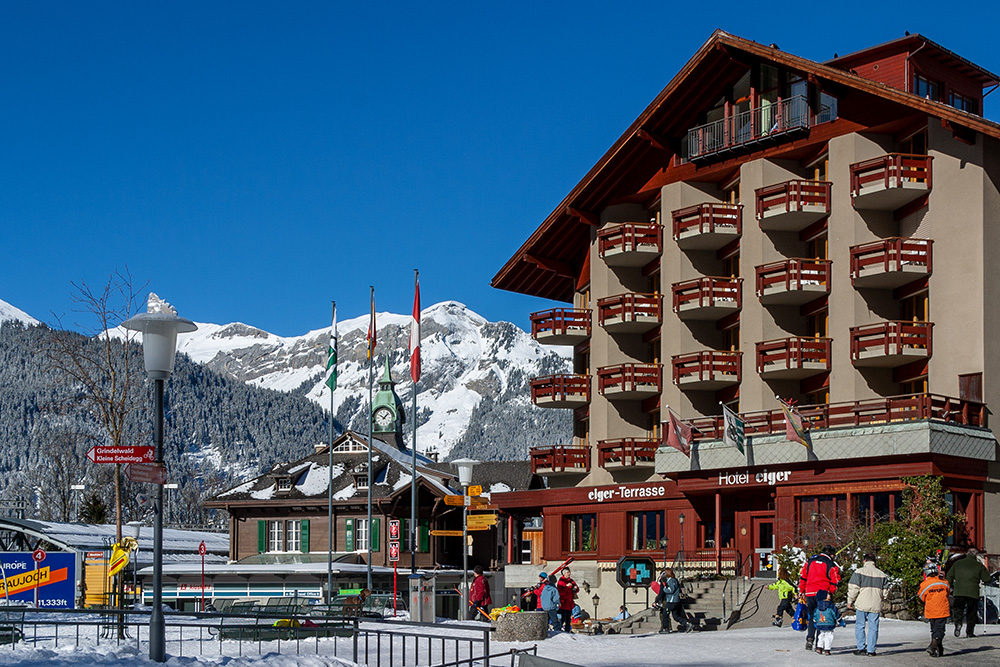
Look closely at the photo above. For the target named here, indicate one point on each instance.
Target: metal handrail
(754, 125)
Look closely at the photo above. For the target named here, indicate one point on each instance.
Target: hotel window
(581, 532)
(963, 103)
(654, 212)
(768, 90)
(731, 192)
(827, 110)
(731, 338)
(645, 530)
(871, 508)
(707, 534)
(653, 432)
(818, 248)
(914, 387)
(924, 87)
(915, 145)
(831, 513)
(293, 535)
(914, 308)
(275, 536)
(731, 265)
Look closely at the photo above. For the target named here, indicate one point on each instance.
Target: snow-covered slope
(470, 367)
(9, 312)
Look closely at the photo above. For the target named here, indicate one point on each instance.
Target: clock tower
(388, 415)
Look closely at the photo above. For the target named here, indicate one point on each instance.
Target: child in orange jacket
(934, 594)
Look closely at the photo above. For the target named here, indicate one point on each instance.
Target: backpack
(825, 619)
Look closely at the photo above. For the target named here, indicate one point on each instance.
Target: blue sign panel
(53, 580)
(635, 571)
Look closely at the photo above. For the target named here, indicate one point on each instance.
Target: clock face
(383, 418)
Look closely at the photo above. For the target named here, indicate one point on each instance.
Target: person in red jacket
(819, 573)
(567, 591)
(479, 596)
(543, 579)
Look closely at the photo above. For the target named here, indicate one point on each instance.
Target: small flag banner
(734, 431)
(331, 354)
(678, 434)
(794, 429)
(415, 333)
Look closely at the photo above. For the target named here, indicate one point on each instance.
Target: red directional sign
(38, 555)
(105, 454)
(202, 549)
(394, 529)
(147, 473)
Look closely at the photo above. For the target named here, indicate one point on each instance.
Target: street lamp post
(680, 520)
(596, 600)
(814, 517)
(465, 467)
(76, 500)
(663, 543)
(159, 326)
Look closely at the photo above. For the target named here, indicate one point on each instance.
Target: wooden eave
(633, 161)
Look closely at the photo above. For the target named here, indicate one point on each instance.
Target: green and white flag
(331, 359)
(733, 433)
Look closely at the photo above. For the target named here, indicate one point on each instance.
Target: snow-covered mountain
(473, 396)
(9, 312)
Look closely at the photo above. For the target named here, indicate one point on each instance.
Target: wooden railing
(753, 126)
(629, 377)
(627, 307)
(793, 274)
(854, 413)
(627, 451)
(891, 255)
(707, 218)
(560, 321)
(705, 292)
(560, 387)
(892, 171)
(793, 196)
(631, 237)
(793, 352)
(889, 338)
(706, 365)
(560, 458)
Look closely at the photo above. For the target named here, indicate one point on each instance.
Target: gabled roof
(547, 264)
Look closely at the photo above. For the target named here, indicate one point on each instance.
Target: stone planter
(523, 626)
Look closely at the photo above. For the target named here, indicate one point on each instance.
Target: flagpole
(329, 483)
(371, 359)
(413, 465)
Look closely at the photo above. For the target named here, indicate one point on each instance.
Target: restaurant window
(581, 532)
(822, 518)
(872, 508)
(645, 530)
(725, 535)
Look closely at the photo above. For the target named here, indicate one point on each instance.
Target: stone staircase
(703, 602)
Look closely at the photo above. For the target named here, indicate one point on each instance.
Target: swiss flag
(678, 434)
(415, 334)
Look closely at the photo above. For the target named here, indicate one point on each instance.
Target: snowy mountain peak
(9, 312)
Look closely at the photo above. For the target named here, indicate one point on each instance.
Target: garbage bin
(422, 591)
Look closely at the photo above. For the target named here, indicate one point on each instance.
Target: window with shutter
(349, 535)
(261, 536)
(304, 535)
(376, 542)
(423, 536)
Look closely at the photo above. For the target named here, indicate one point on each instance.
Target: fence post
(355, 653)
(486, 645)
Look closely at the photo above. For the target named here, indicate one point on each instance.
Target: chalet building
(281, 517)
(771, 226)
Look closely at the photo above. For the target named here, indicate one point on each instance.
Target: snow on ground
(124, 656)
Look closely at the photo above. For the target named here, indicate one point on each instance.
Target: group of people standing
(557, 598)
(820, 576)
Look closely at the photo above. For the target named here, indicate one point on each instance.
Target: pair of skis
(558, 569)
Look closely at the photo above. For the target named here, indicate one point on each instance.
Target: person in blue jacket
(669, 602)
(825, 619)
(550, 602)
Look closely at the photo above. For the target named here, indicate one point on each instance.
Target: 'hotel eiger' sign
(746, 478)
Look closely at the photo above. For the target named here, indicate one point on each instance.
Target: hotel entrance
(762, 528)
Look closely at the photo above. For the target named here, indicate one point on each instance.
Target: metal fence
(366, 641)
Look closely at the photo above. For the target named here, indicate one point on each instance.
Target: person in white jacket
(865, 593)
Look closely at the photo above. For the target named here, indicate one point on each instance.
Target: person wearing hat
(934, 594)
(964, 578)
(543, 578)
(820, 573)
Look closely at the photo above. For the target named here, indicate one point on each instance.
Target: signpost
(487, 520)
(466, 501)
(202, 550)
(147, 473)
(476, 490)
(394, 559)
(394, 530)
(635, 572)
(38, 555)
(446, 533)
(105, 454)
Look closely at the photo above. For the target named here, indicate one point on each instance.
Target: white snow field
(900, 643)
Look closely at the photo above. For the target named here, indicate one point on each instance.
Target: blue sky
(254, 161)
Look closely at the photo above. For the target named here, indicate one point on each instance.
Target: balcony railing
(707, 226)
(890, 262)
(793, 358)
(560, 326)
(854, 413)
(629, 381)
(793, 281)
(890, 343)
(560, 391)
(560, 459)
(707, 298)
(630, 243)
(792, 205)
(706, 370)
(626, 452)
(630, 313)
(755, 126)
(888, 182)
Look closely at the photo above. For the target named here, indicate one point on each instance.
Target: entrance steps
(759, 605)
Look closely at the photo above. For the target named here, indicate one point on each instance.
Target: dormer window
(361, 481)
(284, 484)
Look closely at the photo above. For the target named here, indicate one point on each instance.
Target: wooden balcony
(890, 344)
(707, 298)
(707, 370)
(560, 460)
(793, 281)
(627, 453)
(630, 244)
(889, 263)
(855, 413)
(707, 226)
(630, 313)
(560, 391)
(793, 205)
(560, 326)
(888, 182)
(629, 381)
(793, 358)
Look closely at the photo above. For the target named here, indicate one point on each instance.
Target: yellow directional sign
(482, 520)
(446, 533)
(475, 490)
(478, 526)
(469, 501)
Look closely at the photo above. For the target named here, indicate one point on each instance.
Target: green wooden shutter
(261, 536)
(423, 536)
(349, 536)
(374, 536)
(304, 536)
